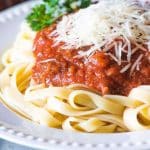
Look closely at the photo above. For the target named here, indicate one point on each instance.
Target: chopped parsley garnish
(49, 11)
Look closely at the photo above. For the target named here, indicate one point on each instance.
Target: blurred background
(7, 3)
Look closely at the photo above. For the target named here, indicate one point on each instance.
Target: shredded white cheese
(98, 25)
(136, 63)
(125, 68)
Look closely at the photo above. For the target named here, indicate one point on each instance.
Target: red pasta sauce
(61, 67)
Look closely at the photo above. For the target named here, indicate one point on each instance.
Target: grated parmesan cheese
(136, 63)
(124, 69)
(98, 25)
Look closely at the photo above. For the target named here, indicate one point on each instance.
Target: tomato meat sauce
(61, 67)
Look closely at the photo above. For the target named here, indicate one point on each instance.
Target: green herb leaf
(47, 13)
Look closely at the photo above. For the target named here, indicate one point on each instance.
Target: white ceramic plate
(23, 132)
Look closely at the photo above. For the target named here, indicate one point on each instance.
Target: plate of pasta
(76, 74)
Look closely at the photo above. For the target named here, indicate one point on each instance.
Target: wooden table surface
(7, 3)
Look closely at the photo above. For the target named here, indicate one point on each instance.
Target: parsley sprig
(49, 11)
